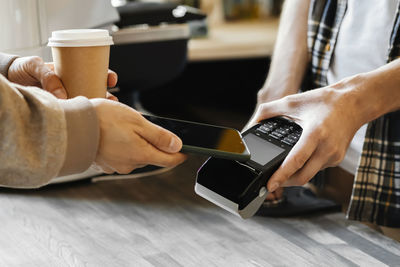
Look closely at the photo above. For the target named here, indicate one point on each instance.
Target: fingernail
(174, 146)
(59, 93)
(274, 186)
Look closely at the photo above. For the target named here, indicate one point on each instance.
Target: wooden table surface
(160, 221)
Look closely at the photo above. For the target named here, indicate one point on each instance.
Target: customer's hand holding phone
(129, 141)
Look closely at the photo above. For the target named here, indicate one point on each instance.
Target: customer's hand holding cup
(81, 60)
(127, 139)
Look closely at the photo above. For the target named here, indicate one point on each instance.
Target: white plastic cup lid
(80, 37)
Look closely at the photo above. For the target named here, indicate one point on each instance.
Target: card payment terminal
(240, 187)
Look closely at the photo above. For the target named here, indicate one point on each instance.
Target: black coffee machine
(151, 45)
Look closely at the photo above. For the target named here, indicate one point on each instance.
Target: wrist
(274, 91)
(5, 62)
(365, 92)
(83, 134)
(381, 89)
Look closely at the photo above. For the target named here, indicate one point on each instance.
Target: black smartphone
(206, 139)
(240, 187)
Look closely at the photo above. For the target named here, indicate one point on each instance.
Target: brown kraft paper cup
(82, 70)
(81, 59)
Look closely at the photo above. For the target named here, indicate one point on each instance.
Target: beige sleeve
(41, 136)
(5, 62)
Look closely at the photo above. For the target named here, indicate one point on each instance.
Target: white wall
(72, 14)
(19, 25)
(26, 25)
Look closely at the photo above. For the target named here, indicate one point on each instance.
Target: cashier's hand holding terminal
(329, 122)
(33, 71)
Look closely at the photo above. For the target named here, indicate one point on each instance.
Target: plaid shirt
(376, 190)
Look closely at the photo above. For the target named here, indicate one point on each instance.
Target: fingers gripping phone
(240, 187)
(200, 138)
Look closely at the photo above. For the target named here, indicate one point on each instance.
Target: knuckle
(334, 153)
(299, 160)
(337, 157)
(291, 101)
(341, 156)
(35, 59)
(319, 134)
(324, 134)
(282, 175)
(262, 96)
(330, 149)
(124, 169)
(49, 77)
(134, 117)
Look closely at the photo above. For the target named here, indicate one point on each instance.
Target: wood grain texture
(160, 221)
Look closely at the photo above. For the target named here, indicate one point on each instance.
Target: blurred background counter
(235, 40)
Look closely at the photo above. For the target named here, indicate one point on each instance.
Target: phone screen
(203, 135)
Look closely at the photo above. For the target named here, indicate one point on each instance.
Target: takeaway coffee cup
(81, 60)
